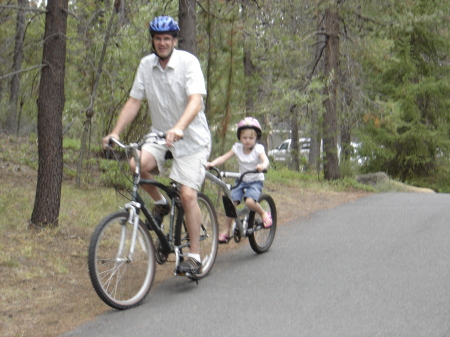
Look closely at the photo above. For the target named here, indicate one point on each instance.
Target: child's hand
(260, 167)
(208, 165)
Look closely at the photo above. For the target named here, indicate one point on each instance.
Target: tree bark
(294, 138)
(249, 67)
(330, 120)
(12, 121)
(209, 31)
(318, 67)
(228, 102)
(90, 109)
(187, 19)
(50, 107)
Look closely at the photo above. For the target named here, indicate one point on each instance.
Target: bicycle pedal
(192, 277)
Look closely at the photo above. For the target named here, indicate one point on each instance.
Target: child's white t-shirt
(248, 162)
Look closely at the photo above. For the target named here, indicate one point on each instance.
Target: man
(172, 82)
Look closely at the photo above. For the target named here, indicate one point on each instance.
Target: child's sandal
(223, 238)
(267, 221)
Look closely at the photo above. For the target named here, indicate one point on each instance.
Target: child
(251, 157)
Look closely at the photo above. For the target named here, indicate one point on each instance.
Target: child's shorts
(247, 190)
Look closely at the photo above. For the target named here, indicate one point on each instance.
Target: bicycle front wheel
(261, 238)
(208, 234)
(121, 278)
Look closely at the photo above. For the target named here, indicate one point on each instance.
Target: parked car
(282, 153)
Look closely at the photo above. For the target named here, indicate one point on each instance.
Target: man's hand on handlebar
(173, 135)
(106, 140)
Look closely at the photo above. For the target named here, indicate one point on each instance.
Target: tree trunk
(318, 67)
(330, 125)
(209, 31)
(187, 20)
(228, 103)
(50, 107)
(249, 68)
(346, 122)
(12, 122)
(294, 139)
(90, 109)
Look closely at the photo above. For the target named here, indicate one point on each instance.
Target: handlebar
(159, 138)
(237, 175)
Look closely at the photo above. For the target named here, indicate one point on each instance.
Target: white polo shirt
(167, 91)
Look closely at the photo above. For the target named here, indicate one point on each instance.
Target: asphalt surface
(378, 266)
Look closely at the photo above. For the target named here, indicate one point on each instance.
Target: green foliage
(114, 174)
(72, 144)
(393, 95)
(285, 176)
(439, 181)
(288, 177)
(348, 183)
(409, 123)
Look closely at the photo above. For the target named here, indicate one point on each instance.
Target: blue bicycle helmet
(164, 24)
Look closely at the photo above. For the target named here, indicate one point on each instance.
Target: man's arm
(193, 107)
(127, 115)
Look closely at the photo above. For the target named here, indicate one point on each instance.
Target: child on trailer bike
(251, 156)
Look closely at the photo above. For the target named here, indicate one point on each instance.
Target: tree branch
(22, 70)
(27, 9)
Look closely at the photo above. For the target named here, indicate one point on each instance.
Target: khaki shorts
(188, 170)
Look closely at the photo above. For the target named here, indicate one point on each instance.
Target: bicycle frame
(126, 245)
(230, 209)
(137, 204)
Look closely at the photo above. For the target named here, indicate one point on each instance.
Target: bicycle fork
(133, 219)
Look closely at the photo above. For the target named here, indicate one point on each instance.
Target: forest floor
(46, 289)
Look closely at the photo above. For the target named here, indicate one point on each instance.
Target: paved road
(378, 266)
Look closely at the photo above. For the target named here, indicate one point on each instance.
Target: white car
(282, 153)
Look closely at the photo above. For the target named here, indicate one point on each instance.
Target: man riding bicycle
(172, 82)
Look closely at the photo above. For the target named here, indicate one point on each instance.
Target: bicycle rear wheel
(120, 280)
(208, 234)
(261, 238)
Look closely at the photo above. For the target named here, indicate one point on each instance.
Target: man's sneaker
(190, 268)
(159, 211)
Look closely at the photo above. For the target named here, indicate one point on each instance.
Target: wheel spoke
(121, 282)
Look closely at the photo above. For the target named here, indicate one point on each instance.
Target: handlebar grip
(236, 175)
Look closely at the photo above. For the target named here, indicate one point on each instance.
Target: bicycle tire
(121, 283)
(208, 234)
(261, 238)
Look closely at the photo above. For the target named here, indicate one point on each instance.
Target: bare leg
(255, 206)
(228, 222)
(148, 164)
(193, 217)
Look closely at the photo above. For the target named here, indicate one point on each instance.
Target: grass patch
(313, 181)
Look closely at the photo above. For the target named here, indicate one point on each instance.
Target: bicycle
(247, 223)
(122, 256)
